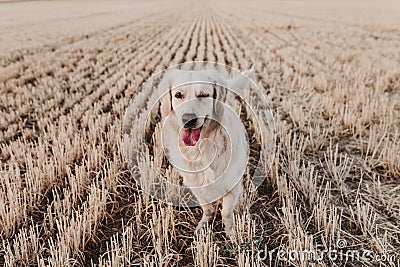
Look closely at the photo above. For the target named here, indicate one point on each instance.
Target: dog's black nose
(189, 120)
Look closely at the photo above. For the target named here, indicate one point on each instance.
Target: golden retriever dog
(204, 138)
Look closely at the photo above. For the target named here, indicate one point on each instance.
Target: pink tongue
(190, 136)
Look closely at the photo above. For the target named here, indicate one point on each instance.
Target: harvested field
(329, 70)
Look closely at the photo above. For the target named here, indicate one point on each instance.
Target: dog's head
(195, 99)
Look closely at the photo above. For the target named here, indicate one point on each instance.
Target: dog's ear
(166, 103)
(165, 87)
(219, 95)
(242, 81)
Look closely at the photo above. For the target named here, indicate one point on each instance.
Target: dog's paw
(230, 233)
(200, 226)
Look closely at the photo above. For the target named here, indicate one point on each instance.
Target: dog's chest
(207, 161)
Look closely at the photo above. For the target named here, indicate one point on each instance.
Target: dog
(204, 138)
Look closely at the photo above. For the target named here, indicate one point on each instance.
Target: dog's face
(193, 100)
(192, 104)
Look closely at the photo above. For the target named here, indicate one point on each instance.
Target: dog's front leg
(229, 203)
(208, 214)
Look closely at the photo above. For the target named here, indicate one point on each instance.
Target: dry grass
(329, 71)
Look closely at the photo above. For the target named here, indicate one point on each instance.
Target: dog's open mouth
(191, 136)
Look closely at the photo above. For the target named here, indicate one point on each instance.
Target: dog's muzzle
(189, 120)
(191, 132)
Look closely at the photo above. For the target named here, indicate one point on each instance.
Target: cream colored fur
(214, 167)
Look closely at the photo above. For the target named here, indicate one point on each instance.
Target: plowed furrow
(96, 83)
(78, 81)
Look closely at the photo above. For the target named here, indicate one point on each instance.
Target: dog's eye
(203, 95)
(179, 95)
